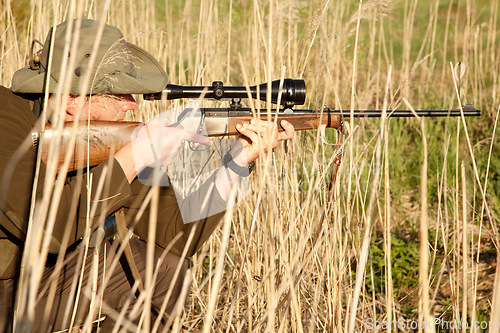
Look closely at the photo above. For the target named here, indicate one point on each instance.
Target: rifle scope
(293, 92)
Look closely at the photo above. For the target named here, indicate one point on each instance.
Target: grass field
(411, 231)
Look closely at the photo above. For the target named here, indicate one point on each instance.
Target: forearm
(126, 160)
(225, 181)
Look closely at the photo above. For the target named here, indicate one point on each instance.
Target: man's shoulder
(14, 105)
(6, 93)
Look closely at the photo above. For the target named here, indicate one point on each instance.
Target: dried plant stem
(363, 254)
(389, 293)
(423, 271)
(351, 116)
(218, 269)
(495, 301)
(465, 246)
(471, 152)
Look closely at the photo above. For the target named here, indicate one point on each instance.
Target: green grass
(405, 257)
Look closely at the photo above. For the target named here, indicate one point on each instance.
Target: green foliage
(483, 316)
(404, 259)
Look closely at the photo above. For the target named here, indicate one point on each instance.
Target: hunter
(117, 69)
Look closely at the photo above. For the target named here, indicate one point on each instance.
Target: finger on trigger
(175, 125)
(195, 137)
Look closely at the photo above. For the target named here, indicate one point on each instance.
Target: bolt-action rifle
(98, 139)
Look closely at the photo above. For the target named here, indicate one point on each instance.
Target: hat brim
(148, 77)
(29, 81)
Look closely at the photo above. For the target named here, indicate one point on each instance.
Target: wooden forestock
(299, 121)
(94, 141)
(97, 140)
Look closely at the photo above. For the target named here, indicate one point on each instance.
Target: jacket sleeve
(17, 173)
(205, 208)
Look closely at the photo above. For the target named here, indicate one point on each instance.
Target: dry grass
(290, 259)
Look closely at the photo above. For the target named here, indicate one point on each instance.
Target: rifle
(98, 139)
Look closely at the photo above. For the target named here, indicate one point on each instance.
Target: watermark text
(437, 323)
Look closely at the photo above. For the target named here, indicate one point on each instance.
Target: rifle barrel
(468, 110)
(223, 121)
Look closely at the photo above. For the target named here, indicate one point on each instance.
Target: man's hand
(158, 140)
(260, 136)
(256, 137)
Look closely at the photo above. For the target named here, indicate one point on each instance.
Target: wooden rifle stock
(94, 141)
(97, 140)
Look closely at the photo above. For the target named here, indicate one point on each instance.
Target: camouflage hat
(119, 67)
